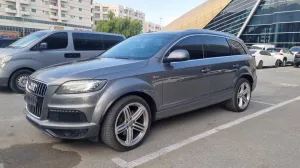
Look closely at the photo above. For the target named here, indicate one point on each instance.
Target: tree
(124, 26)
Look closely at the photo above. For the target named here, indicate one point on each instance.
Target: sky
(168, 10)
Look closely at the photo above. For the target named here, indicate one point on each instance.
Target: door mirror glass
(177, 56)
(43, 46)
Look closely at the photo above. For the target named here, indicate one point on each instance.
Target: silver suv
(145, 78)
(46, 48)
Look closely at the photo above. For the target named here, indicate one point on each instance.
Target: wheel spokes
(127, 113)
(121, 128)
(140, 111)
(129, 136)
(139, 127)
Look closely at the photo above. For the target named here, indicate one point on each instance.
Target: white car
(262, 46)
(283, 54)
(264, 59)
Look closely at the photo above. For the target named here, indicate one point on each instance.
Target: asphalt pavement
(266, 135)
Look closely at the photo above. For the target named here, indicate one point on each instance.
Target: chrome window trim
(191, 35)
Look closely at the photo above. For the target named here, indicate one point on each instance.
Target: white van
(49, 47)
(262, 46)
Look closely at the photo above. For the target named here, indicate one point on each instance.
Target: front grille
(34, 97)
(37, 88)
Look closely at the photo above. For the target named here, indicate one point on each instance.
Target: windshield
(295, 49)
(256, 47)
(272, 50)
(24, 42)
(139, 47)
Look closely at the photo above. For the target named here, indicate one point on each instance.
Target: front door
(57, 51)
(186, 84)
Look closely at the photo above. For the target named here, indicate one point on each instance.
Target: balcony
(53, 7)
(10, 10)
(24, 2)
(54, 17)
(25, 13)
(64, 18)
(10, 0)
(64, 9)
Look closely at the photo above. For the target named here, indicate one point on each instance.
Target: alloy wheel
(244, 95)
(21, 81)
(131, 124)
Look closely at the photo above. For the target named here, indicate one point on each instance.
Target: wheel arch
(23, 68)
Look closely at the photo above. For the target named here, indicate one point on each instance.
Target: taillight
(297, 55)
(280, 54)
(253, 56)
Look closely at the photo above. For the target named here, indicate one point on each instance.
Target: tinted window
(267, 53)
(57, 41)
(110, 41)
(87, 41)
(139, 47)
(252, 51)
(295, 49)
(271, 50)
(215, 47)
(193, 44)
(236, 48)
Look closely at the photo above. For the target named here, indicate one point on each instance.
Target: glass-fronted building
(258, 21)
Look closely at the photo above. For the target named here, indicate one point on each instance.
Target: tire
(296, 65)
(292, 64)
(233, 103)
(283, 64)
(17, 81)
(260, 65)
(277, 64)
(108, 130)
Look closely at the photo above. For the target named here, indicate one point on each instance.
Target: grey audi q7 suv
(142, 79)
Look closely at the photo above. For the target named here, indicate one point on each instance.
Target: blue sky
(156, 9)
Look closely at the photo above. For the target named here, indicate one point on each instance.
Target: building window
(80, 9)
(72, 7)
(80, 1)
(105, 9)
(63, 15)
(33, 10)
(80, 18)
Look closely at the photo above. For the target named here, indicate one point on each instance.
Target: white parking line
(262, 102)
(122, 163)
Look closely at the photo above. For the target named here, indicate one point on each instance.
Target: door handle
(205, 70)
(72, 55)
(236, 66)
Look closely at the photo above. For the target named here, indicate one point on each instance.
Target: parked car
(262, 46)
(6, 42)
(295, 50)
(283, 54)
(145, 78)
(264, 59)
(46, 48)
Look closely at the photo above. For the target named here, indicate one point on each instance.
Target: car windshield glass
(139, 47)
(272, 50)
(255, 47)
(252, 51)
(295, 49)
(24, 42)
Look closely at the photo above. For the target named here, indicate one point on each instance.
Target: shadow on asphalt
(5, 90)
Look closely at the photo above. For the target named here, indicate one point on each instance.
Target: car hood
(9, 51)
(85, 69)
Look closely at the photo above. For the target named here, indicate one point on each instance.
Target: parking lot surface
(266, 135)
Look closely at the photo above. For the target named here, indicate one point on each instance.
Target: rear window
(272, 50)
(87, 41)
(252, 51)
(236, 48)
(295, 49)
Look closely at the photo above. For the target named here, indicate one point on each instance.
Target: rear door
(225, 61)
(57, 46)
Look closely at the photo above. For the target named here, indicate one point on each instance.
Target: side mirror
(43, 46)
(177, 56)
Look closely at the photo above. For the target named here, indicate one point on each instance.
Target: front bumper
(4, 77)
(63, 130)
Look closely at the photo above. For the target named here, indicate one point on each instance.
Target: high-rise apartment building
(26, 16)
(100, 12)
(152, 27)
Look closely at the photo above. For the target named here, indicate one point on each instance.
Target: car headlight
(4, 60)
(84, 86)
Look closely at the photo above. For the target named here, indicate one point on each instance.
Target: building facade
(27, 16)
(100, 12)
(257, 21)
(152, 27)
